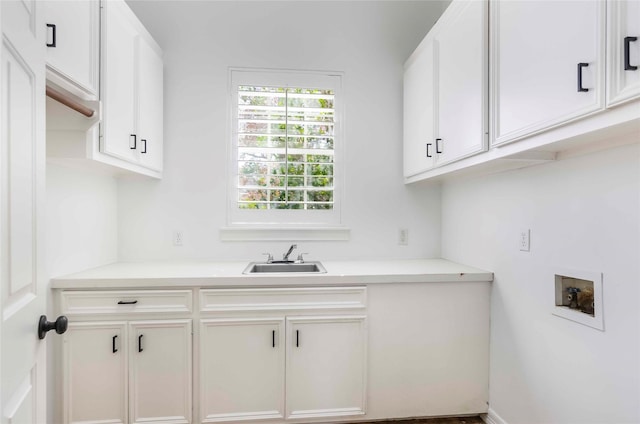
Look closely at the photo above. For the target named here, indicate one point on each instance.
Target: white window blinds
(285, 148)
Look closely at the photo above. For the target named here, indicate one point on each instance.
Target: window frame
(284, 218)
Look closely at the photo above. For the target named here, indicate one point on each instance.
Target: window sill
(285, 234)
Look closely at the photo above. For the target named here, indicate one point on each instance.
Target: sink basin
(285, 268)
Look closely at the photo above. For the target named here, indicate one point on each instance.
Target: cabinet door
(242, 369)
(460, 47)
(418, 112)
(73, 61)
(120, 45)
(326, 366)
(623, 51)
(95, 373)
(160, 371)
(536, 61)
(150, 112)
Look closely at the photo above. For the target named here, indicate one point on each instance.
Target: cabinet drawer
(283, 299)
(126, 302)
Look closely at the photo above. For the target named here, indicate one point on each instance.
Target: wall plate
(596, 320)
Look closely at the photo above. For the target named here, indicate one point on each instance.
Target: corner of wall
(492, 417)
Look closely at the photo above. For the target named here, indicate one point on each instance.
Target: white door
(242, 369)
(22, 185)
(73, 58)
(118, 85)
(418, 111)
(460, 48)
(326, 366)
(623, 52)
(160, 371)
(544, 71)
(95, 373)
(150, 112)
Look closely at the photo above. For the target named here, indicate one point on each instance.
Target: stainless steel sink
(284, 267)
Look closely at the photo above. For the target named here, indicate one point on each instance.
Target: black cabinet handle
(273, 338)
(113, 344)
(134, 141)
(144, 149)
(428, 154)
(627, 59)
(297, 338)
(53, 27)
(140, 343)
(580, 87)
(44, 326)
(438, 150)
(127, 302)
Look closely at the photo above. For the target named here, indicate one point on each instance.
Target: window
(286, 145)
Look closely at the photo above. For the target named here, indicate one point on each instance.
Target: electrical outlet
(525, 240)
(178, 238)
(403, 237)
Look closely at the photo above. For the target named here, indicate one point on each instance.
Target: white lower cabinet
(280, 354)
(95, 372)
(428, 349)
(160, 372)
(289, 354)
(127, 372)
(242, 369)
(326, 366)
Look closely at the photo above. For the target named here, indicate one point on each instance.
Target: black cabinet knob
(60, 325)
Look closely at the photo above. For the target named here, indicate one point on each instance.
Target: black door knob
(60, 325)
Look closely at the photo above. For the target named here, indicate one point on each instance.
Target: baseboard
(492, 418)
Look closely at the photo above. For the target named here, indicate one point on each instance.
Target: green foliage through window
(285, 148)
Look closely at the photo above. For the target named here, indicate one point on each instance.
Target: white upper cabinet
(150, 104)
(73, 46)
(623, 51)
(547, 62)
(445, 90)
(119, 82)
(132, 73)
(461, 67)
(418, 112)
(103, 59)
(559, 72)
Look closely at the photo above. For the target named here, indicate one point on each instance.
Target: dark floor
(460, 420)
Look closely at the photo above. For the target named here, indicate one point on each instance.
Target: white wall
(82, 222)
(584, 213)
(369, 41)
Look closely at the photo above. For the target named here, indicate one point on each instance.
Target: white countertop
(229, 274)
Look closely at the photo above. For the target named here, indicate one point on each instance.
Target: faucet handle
(300, 259)
(269, 257)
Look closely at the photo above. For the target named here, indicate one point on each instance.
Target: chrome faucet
(285, 257)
